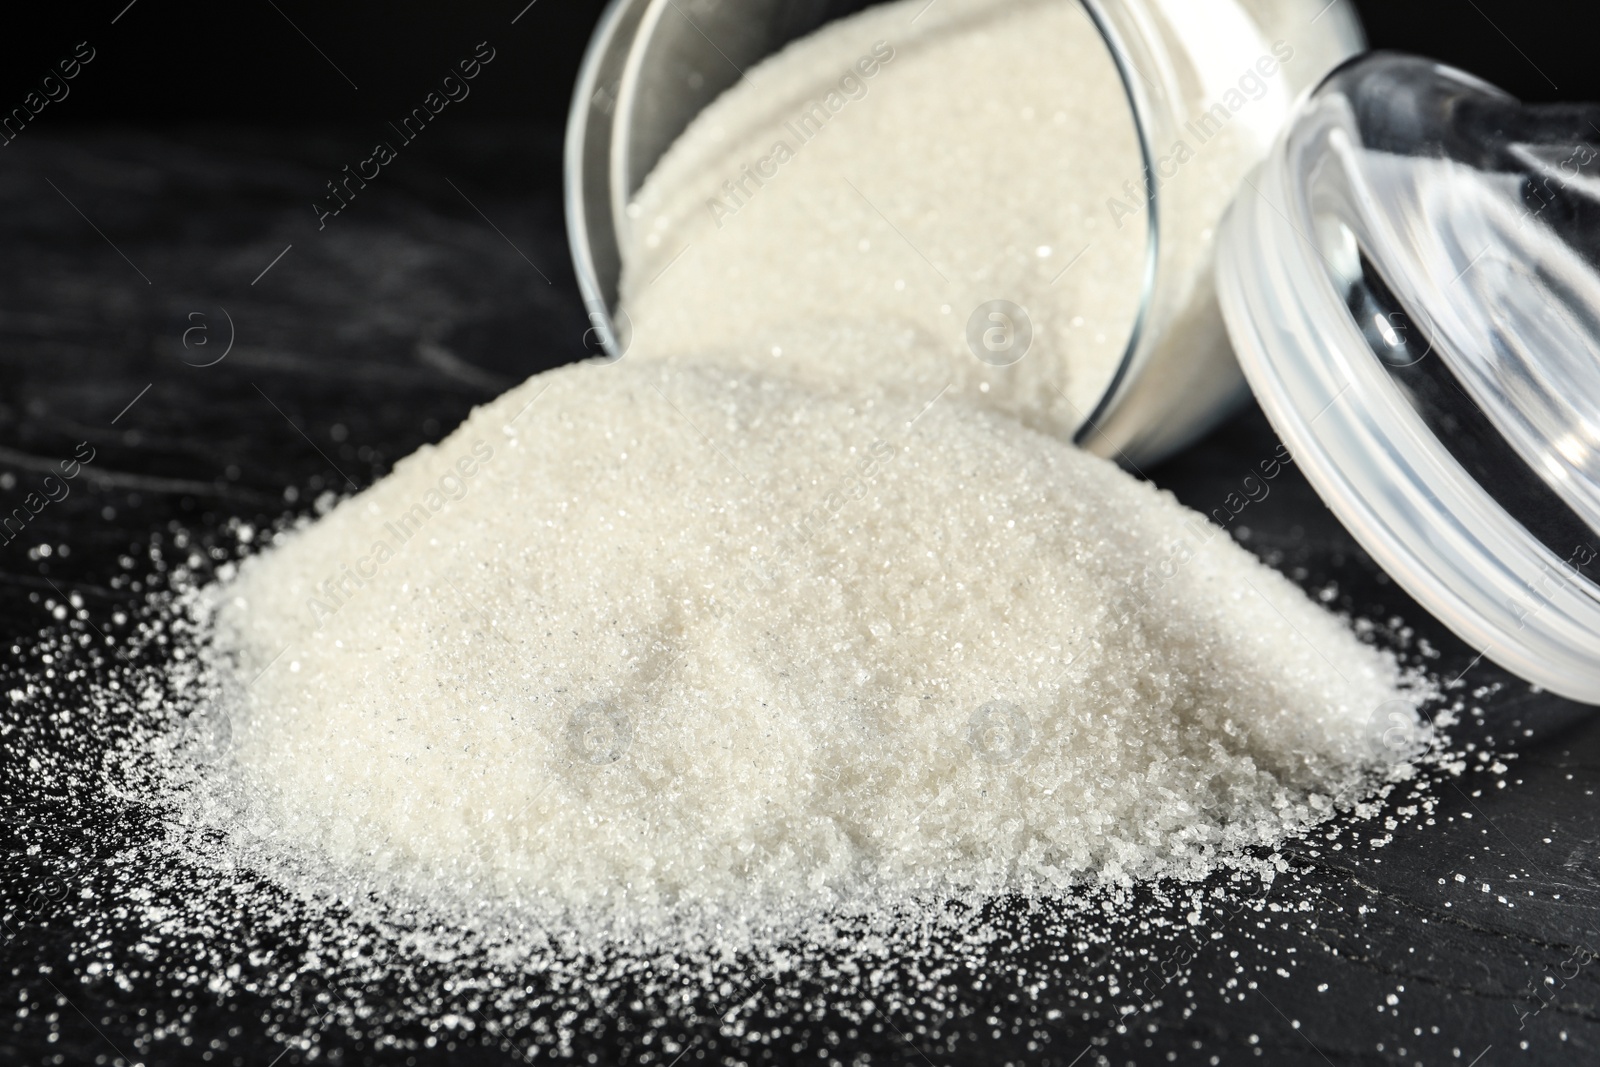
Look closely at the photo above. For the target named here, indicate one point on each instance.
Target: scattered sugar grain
(693, 641)
(143, 863)
(694, 684)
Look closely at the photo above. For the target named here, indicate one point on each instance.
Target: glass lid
(1410, 283)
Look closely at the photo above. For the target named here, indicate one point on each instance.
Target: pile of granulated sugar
(894, 173)
(675, 652)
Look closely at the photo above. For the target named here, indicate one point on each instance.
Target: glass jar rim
(602, 169)
(1425, 460)
(1175, 377)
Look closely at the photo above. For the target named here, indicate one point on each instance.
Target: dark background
(245, 62)
(170, 184)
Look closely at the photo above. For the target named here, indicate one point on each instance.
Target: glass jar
(1206, 80)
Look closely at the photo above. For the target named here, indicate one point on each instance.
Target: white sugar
(803, 613)
(792, 684)
(882, 180)
(643, 640)
(790, 613)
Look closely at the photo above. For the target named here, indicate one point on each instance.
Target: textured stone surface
(377, 334)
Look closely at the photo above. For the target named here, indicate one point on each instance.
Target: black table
(133, 263)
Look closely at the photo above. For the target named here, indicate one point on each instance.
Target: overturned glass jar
(1409, 279)
(654, 65)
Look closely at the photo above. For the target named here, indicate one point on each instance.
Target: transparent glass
(1207, 89)
(1411, 284)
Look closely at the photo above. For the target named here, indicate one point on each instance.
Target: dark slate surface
(447, 281)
